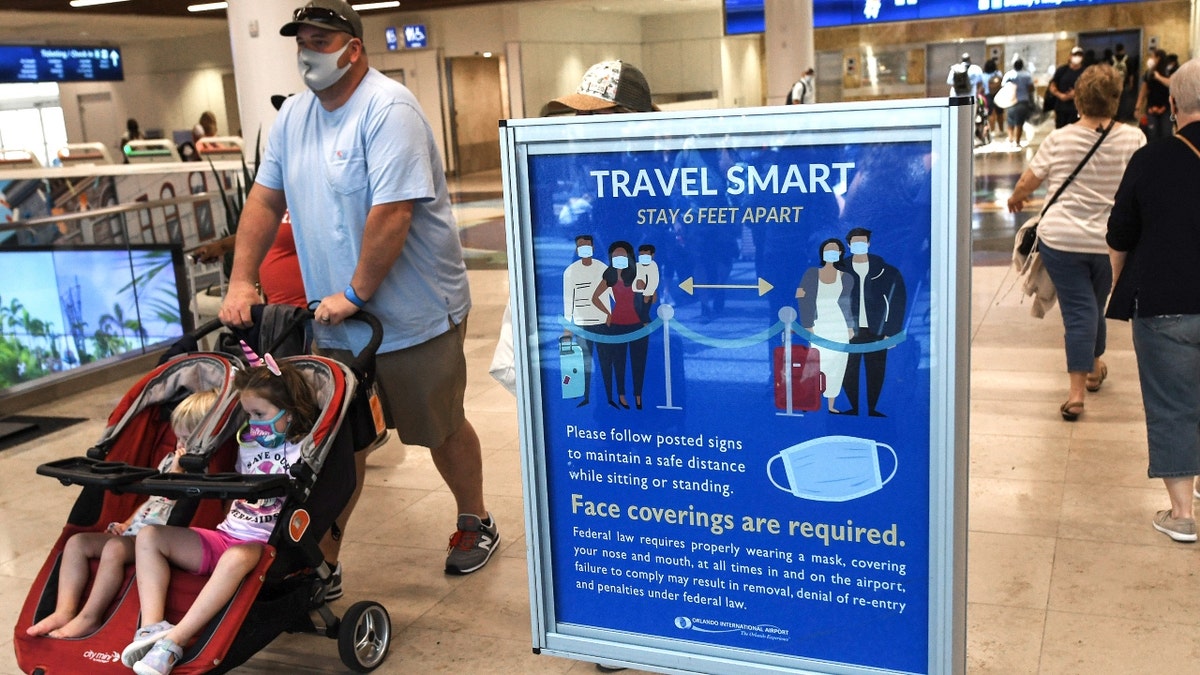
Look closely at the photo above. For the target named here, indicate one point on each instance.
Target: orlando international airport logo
(762, 631)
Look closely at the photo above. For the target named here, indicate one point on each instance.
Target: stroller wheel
(364, 636)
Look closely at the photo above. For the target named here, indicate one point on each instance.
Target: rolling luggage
(808, 382)
(570, 361)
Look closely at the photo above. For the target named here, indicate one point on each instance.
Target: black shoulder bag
(1029, 235)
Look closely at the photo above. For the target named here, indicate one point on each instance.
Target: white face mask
(320, 71)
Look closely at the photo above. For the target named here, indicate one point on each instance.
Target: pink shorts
(214, 543)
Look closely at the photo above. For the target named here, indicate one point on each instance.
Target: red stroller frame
(285, 591)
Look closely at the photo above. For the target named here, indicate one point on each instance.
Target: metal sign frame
(929, 238)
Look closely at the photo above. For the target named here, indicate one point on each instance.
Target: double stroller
(286, 590)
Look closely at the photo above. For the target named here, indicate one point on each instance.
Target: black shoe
(624, 405)
(582, 403)
(614, 404)
(852, 411)
(876, 413)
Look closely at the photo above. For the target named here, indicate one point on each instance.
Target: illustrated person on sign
(580, 281)
(877, 311)
(645, 284)
(825, 297)
(621, 318)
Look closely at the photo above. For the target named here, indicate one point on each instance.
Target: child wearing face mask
(114, 547)
(282, 408)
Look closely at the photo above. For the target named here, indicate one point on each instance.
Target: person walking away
(1155, 252)
(994, 78)
(373, 230)
(1019, 113)
(1071, 233)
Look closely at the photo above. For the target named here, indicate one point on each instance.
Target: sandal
(1095, 381)
(1071, 410)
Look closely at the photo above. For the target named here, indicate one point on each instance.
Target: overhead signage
(35, 63)
(748, 16)
(415, 36)
(741, 405)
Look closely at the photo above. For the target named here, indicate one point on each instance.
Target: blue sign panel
(415, 36)
(732, 384)
(391, 38)
(30, 63)
(739, 456)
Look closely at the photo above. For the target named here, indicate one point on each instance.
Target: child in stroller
(286, 591)
(114, 547)
(282, 409)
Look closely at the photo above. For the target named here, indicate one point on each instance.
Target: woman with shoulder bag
(1083, 162)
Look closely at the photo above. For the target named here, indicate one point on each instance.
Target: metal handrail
(107, 211)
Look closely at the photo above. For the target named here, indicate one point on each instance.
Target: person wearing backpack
(966, 78)
(802, 91)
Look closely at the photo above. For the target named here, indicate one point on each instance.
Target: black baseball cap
(327, 14)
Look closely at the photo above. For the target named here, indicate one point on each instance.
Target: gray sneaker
(1179, 529)
(472, 545)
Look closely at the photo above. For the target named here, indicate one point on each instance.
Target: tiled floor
(1065, 573)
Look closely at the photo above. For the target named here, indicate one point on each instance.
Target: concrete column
(789, 45)
(1194, 34)
(264, 62)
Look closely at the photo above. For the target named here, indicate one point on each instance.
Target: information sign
(37, 63)
(415, 36)
(741, 355)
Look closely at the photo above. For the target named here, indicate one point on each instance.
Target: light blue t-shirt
(333, 167)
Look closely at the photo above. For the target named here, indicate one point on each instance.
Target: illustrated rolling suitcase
(570, 362)
(808, 382)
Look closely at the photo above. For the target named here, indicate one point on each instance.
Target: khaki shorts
(422, 387)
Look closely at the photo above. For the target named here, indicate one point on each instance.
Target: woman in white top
(1071, 233)
(824, 299)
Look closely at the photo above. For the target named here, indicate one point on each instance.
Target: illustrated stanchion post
(666, 313)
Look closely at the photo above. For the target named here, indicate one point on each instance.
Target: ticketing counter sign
(741, 345)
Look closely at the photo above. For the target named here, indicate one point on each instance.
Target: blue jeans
(1168, 357)
(1082, 282)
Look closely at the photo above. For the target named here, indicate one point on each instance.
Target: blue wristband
(353, 297)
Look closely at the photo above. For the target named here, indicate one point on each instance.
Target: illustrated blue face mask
(620, 262)
(833, 468)
(263, 432)
(831, 256)
(859, 247)
(644, 259)
(584, 251)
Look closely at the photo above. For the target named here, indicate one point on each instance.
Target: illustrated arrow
(689, 284)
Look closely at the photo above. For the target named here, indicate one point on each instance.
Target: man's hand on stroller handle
(235, 309)
(334, 309)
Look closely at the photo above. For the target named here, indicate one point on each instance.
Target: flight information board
(39, 63)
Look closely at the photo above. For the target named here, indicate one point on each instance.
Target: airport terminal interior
(1065, 574)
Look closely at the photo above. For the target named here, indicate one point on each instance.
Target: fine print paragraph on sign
(797, 560)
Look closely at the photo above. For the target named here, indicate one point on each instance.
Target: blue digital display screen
(35, 63)
(748, 16)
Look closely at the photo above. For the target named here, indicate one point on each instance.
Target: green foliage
(234, 203)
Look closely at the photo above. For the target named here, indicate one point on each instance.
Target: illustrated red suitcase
(808, 382)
